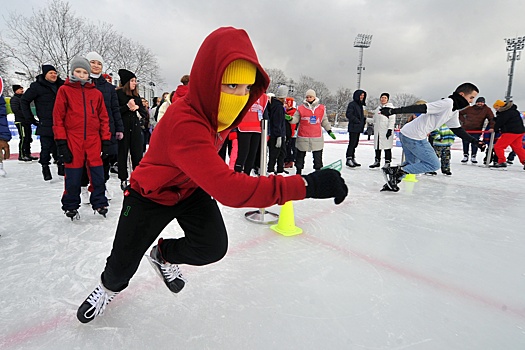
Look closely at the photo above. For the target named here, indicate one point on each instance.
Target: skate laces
(170, 271)
(98, 299)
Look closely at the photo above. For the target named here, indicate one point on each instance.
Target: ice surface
(439, 265)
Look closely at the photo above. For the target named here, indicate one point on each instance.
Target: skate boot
(473, 159)
(393, 176)
(32, 158)
(61, 170)
(102, 211)
(465, 158)
(447, 172)
(376, 164)
(72, 214)
(2, 171)
(170, 273)
(498, 165)
(386, 188)
(95, 304)
(350, 163)
(24, 159)
(46, 172)
(431, 173)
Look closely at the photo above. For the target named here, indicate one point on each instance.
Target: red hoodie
(182, 155)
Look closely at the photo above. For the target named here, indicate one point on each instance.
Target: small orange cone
(286, 224)
(410, 178)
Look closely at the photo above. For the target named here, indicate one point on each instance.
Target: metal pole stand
(262, 216)
(489, 150)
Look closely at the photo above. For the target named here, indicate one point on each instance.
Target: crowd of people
(89, 128)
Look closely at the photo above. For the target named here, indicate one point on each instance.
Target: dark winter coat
(43, 94)
(5, 134)
(472, 118)
(355, 113)
(16, 107)
(130, 119)
(113, 109)
(182, 155)
(277, 122)
(508, 120)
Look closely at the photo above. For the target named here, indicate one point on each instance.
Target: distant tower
(362, 41)
(514, 47)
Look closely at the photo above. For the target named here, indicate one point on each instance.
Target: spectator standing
(131, 111)
(43, 92)
(472, 120)
(356, 124)
(181, 90)
(277, 131)
(311, 117)
(5, 134)
(291, 134)
(510, 124)
(23, 126)
(383, 132)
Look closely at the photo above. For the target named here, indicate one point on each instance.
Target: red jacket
(181, 91)
(182, 155)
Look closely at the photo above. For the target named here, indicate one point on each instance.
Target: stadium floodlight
(514, 47)
(362, 41)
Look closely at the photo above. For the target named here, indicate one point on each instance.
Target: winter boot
(2, 171)
(355, 162)
(95, 304)
(32, 158)
(72, 214)
(61, 169)
(473, 159)
(102, 211)
(350, 162)
(447, 172)
(170, 273)
(24, 159)
(46, 172)
(465, 158)
(376, 164)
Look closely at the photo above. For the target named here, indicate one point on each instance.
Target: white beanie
(282, 91)
(310, 93)
(93, 56)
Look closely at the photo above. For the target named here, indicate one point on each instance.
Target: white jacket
(381, 125)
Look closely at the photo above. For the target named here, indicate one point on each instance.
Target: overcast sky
(425, 48)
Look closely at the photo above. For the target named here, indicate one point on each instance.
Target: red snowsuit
(81, 118)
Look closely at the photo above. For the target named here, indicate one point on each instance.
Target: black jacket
(16, 107)
(113, 108)
(509, 121)
(43, 94)
(355, 114)
(130, 119)
(277, 122)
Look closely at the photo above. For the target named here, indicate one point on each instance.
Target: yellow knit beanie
(498, 104)
(239, 72)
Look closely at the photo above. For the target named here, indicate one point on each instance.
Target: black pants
(106, 164)
(474, 147)
(24, 133)
(131, 144)
(318, 160)
(291, 150)
(247, 146)
(388, 155)
(48, 148)
(352, 144)
(141, 221)
(276, 155)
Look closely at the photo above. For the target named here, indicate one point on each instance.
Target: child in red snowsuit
(81, 129)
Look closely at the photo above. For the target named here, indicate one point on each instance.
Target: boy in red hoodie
(81, 129)
(182, 176)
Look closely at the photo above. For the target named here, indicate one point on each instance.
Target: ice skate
(393, 176)
(46, 172)
(386, 188)
(473, 159)
(72, 214)
(170, 273)
(465, 159)
(102, 211)
(500, 166)
(431, 173)
(95, 304)
(376, 164)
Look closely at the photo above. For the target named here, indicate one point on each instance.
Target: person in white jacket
(383, 132)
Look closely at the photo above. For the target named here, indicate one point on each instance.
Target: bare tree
(372, 103)
(277, 77)
(402, 100)
(54, 35)
(337, 104)
(305, 83)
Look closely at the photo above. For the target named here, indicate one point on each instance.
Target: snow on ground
(439, 265)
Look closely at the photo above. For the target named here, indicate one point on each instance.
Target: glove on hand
(326, 183)
(482, 146)
(279, 142)
(232, 136)
(288, 117)
(332, 135)
(64, 152)
(106, 144)
(4, 149)
(388, 133)
(386, 111)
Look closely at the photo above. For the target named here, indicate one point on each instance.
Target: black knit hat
(480, 99)
(385, 94)
(16, 87)
(46, 68)
(125, 76)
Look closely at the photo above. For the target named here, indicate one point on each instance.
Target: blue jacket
(277, 122)
(5, 134)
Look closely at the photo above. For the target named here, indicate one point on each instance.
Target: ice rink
(438, 265)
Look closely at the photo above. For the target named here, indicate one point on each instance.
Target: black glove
(482, 146)
(388, 133)
(326, 183)
(64, 152)
(106, 144)
(386, 111)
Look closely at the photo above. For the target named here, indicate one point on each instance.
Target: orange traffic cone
(286, 224)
